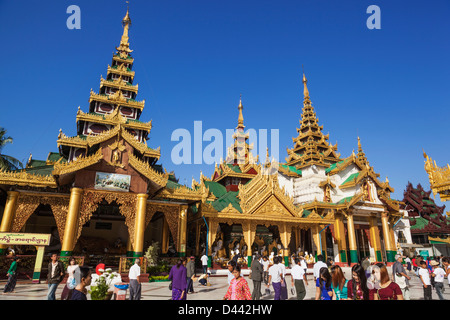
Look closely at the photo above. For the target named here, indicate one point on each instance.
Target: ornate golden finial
(241, 117)
(126, 22)
(361, 155)
(305, 88)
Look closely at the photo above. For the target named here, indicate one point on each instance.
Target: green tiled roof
(292, 169)
(346, 199)
(351, 177)
(234, 168)
(45, 170)
(37, 163)
(333, 166)
(216, 188)
(226, 199)
(420, 223)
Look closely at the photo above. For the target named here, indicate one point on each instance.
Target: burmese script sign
(29, 239)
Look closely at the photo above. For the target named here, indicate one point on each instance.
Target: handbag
(400, 280)
(71, 284)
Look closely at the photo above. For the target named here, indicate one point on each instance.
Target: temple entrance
(104, 237)
(41, 221)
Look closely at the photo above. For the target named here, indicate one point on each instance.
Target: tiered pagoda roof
(311, 146)
(425, 216)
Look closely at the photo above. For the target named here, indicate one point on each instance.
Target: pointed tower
(311, 146)
(239, 165)
(114, 106)
(361, 155)
(239, 153)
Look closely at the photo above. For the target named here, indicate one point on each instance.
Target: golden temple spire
(305, 88)
(124, 41)
(361, 155)
(241, 117)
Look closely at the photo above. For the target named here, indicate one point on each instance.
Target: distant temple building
(104, 191)
(429, 226)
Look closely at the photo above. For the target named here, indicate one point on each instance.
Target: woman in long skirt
(12, 276)
(178, 276)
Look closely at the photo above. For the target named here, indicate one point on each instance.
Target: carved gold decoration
(145, 169)
(439, 178)
(28, 203)
(116, 99)
(23, 178)
(91, 199)
(78, 164)
(171, 214)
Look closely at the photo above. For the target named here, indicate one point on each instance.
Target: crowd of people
(368, 281)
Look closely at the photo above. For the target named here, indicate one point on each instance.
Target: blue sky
(193, 59)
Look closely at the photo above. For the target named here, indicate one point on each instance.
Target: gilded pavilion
(315, 203)
(104, 185)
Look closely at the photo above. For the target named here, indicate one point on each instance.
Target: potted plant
(101, 286)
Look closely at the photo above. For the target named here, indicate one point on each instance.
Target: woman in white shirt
(73, 270)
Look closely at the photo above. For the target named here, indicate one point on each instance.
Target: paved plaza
(216, 291)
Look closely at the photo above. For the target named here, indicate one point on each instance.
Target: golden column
(249, 231)
(352, 238)
(182, 231)
(390, 251)
(139, 224)
(339, 233)
(375, 236)
(8, 215)
(316, 238)
(285, 239)
(71, 222)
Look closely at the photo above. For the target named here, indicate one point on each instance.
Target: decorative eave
(118, 84)
(121, 70)
(287, 172)
(23, 178)
(259, 189)
(366, 172)
(88, 141)
(117, 99)
(223, 171)
(78, 164)
(91, 140)
(127, 59)
(141, 147)
(146, 170)
(114, 118)
(181, 192)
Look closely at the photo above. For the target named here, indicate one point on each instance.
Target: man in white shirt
(438, 274)
(317, 266)
(135, 284)
(276, 278)
(424, 275)
(204, 260)
(298, 277)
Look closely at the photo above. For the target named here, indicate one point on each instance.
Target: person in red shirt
(388, 290)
